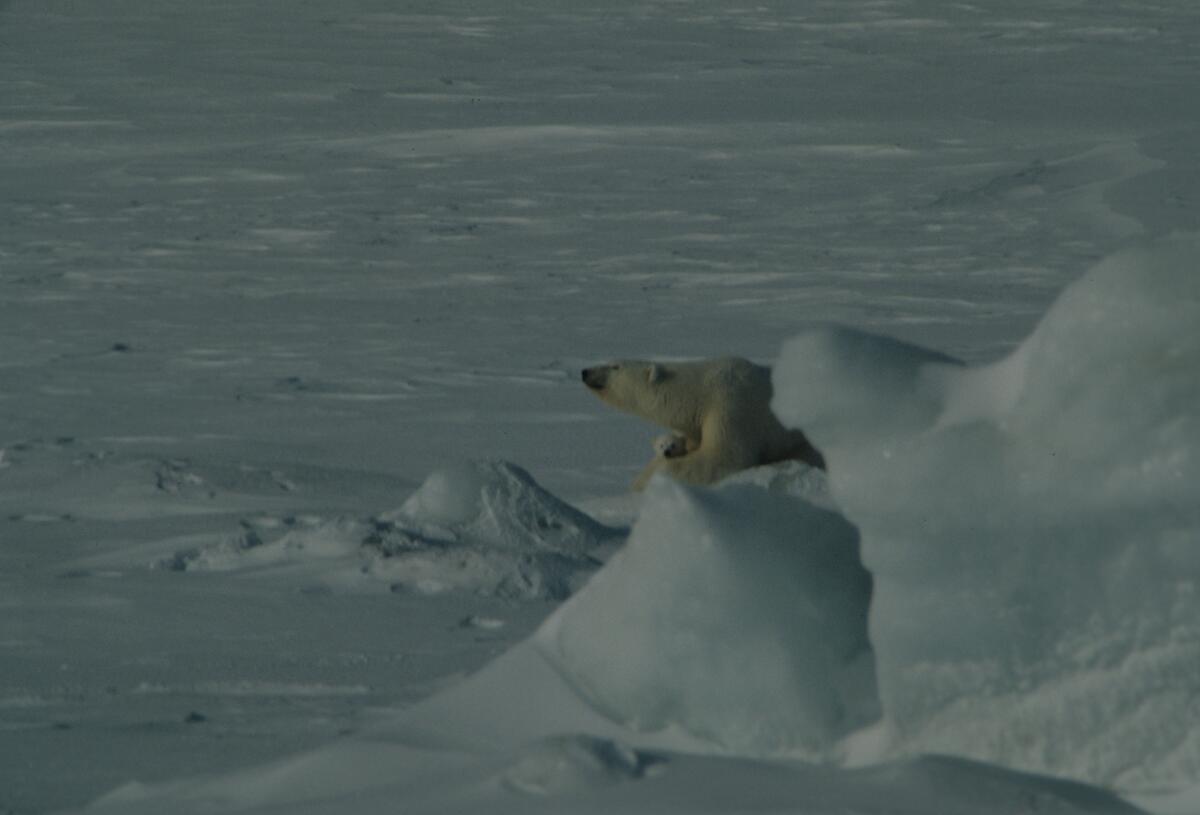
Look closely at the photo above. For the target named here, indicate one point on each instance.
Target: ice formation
(737, 615)
(482, 526)
(500, 504)
(488, 524)
(1033, 525)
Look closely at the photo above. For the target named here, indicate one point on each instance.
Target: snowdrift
(1033, 526)
(736, 615)
(484, 526)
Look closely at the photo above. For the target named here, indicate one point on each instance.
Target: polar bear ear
(655, 374)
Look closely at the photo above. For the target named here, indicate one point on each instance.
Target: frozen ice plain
(269, 265)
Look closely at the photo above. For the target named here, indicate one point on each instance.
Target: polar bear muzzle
(596, 378)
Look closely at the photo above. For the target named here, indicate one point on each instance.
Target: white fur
(719, 409)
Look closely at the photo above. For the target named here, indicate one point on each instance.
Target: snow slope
(724, 643)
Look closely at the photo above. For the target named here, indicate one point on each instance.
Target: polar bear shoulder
(719, 409)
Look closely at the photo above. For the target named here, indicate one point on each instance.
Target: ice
(1031, 525)
(489, 527)
(450, 496)
(479, 526)
(708, 584)
(498, 504)
(847, 386)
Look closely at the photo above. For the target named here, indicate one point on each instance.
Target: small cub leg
(670, 446)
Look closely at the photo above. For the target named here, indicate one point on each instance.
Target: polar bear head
(651, 390)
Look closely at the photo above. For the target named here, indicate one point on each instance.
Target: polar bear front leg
(700, 466)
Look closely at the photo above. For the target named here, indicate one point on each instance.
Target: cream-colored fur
(718, 410)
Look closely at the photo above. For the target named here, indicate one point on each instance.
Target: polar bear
(718, 410)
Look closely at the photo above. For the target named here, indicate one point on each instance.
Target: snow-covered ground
(273, 272)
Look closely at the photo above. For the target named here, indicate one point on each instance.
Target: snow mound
(736, 615)
(846, 386)
(488, 524)
(498, 504)
(485, 527)
(1032, 525)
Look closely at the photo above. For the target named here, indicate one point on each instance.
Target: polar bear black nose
(594, 378)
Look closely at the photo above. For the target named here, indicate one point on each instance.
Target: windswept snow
(484, 527)
(1028, 525)
(268, 269)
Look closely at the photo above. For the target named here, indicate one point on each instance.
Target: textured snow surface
(268, 269)
(1033, 525)
(485, 527)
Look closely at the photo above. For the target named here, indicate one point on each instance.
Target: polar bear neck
(684, 419)
(682, 401)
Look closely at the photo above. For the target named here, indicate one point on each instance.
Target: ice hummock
(489, 525)
(1033, 525)
(478, 526)
(500, 504)
(737, 615)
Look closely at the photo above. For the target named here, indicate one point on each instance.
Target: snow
(485, 527)
(1031, 598)
(590, 775)
(489, 527)
(1031, 525)
(709, 584)
(266, 269)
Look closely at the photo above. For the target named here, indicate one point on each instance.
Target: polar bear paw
(670, 446)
